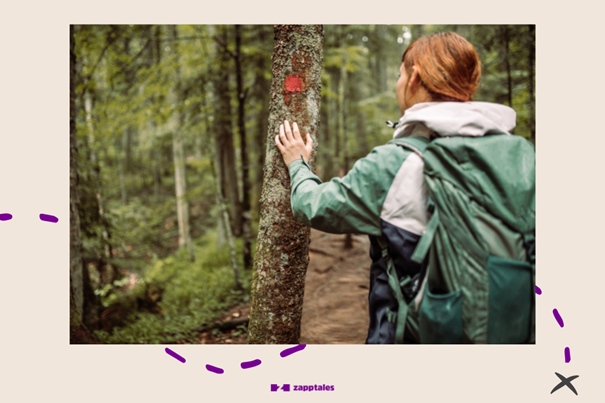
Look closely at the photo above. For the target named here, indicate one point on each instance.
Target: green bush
(193, 294)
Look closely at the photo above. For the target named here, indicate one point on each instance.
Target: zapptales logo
(301, 388)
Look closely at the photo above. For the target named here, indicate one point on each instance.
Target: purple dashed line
(558, 317)
(292, 350)
(251, 364)
(175, 355)
(5, 217)
(49, 218)
(567, 355)
(214, 369)
(538, 290)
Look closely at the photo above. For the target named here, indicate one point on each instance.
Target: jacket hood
(456, 119)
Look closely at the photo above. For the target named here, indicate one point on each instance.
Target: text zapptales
(310, 388)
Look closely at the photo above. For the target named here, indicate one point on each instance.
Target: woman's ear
(414, 79)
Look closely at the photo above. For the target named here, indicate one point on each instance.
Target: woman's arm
(349, 205)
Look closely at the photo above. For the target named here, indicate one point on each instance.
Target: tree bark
(106, 270)
(224, 219)
(530, 64)
(506, 40)
(342, 114)
(224, 134)
(78, 331)
(282, 253)
(263, 87)
(76, 282)
(381, 62)
(241, 121)
(180, 178)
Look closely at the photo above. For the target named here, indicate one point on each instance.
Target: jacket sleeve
(349, 205)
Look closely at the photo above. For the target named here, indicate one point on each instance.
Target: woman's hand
(290, 143)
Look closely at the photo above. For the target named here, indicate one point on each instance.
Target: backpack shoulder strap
(416, 144)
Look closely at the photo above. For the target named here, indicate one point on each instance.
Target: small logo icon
(565, 382)
(285, 387)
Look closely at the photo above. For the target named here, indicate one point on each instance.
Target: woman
(385, 194)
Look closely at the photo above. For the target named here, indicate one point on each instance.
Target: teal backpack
(477, 284)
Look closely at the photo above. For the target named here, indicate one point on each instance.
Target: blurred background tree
(157, 106)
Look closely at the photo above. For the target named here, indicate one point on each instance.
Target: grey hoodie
(456, 119)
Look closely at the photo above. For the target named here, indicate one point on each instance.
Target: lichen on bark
(282, 253)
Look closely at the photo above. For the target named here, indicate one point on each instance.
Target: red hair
(448, 66)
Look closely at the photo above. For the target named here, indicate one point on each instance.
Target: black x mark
(565, 382)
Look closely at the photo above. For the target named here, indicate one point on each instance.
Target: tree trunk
(224, 135)
(246, 218)
(282, 252)
(507, 65)
(106, 270)
(337, 146)
(342, 114)
(381, 62)
(180, 178)
(262, 93)
(156, 156)
(530, 64)
(121, 176)
(224, 220)
(78, 331)
(76, 282)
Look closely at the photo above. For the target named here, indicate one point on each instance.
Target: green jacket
(385, 195)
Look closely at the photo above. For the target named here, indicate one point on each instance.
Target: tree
(180, 179)
(241, 122)
(224, 132)
(282, 252)
(342, 114)
(78, 331)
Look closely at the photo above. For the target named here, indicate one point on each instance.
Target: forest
(170, 128)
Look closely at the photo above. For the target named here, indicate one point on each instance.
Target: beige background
(38, 364)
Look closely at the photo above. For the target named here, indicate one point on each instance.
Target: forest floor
(335, 307)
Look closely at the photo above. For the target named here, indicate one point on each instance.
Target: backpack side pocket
(510, 301)
(440, 319)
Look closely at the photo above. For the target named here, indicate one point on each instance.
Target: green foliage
(193, 294)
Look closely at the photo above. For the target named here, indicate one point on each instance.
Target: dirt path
(335, 308)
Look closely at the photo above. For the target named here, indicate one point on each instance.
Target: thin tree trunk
(381, 61)
(78, 331)
(282, 252)
(122, 180)
(530, 63)
(246, 218)
(106, 272)
(337, 146)
(224, 136)
(76, 282)
(224, 219)
(327, 151)
(155, 155)
(507, 64)
(342, 115)
(263, 87)
(180, 178)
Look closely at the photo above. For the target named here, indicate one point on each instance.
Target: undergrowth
(192, 294)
